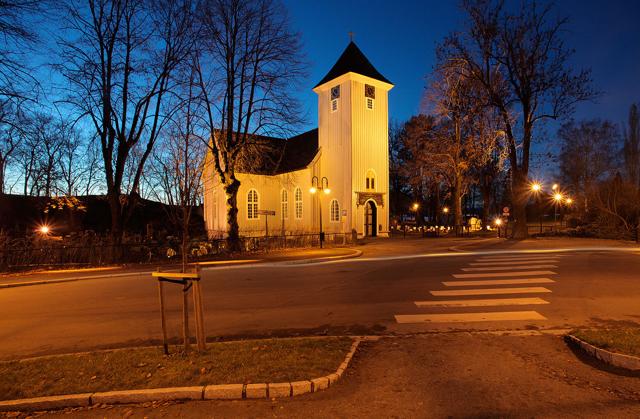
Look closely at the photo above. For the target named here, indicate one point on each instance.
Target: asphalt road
(368, 295)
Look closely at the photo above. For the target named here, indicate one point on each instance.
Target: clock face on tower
(369, 91)
(335, 92)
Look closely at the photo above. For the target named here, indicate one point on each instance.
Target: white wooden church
(339, 171)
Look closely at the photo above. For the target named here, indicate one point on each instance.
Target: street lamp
(555, 186)
(416, 206)
(320, 185)
(44, 230)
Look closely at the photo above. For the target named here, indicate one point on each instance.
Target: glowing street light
(497, 222)
(44, 229)
(536, 187)
(555, 186)
(569, 201)
(445, 210)
(557, 197)
(416, 206)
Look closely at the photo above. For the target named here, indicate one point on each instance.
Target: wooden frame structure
(188, 280)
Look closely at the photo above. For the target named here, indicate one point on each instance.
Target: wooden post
(197, 305)
(165, 346)
(185, 315)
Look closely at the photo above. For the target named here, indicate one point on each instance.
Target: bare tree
(632, 146)
(588, 155)
(11, 133)
(71, 164)
(522, 64)
(177, 168)
(249, 61)
(118, 57)
(18, 34)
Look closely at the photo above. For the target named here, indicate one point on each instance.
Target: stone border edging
(627, 362)
(210, 392)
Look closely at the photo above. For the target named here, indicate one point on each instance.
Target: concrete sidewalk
(439, 375)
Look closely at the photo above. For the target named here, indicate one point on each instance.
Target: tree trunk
(116, 225)
(185, 236)
(2, 166)
(486, 202)
(457, 205)
(519, 199)
(231, 190)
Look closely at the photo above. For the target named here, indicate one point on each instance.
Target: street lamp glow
(44, 229)
(569, 201)
(557, 197)
(497, 221)
(536, 187)
(327, 191)
(445, 210)
(555, 186)
(313, 189)
(416, 206)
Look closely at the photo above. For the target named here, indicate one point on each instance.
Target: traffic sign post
(266, 214)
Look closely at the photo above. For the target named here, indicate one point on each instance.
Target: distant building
(349, 148)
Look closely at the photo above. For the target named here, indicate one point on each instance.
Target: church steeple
(353, 60)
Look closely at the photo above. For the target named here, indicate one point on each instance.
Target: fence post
(197, 303)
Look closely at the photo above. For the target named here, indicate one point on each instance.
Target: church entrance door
(370, 219)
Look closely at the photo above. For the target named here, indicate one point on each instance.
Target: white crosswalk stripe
(513, 263)
(477, 282)
(487, 276)
(508, 268)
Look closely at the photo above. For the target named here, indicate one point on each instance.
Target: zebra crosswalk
(497, 283)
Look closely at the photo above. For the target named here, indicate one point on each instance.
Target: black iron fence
(45, 253)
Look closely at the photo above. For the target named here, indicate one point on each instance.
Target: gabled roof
(352, 60)
(272, 156)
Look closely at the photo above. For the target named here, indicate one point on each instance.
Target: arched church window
(370, 95)
(335, 211)
(298, 198)
(370, 181)
(284, 204)
(252, 204)
(335, 98)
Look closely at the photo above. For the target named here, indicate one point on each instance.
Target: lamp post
(323, 186)
(537, 188)
(557, 198)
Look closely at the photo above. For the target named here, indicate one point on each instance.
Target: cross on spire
(351, 36)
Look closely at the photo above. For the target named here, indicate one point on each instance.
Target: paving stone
(320, 383)
(300, 387)
(279, 389)
(223, 391)
(256, 391)
(46, 403)
(148, 395)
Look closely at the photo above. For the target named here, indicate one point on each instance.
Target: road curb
(209, 392)
(627, 362)
(355, 254)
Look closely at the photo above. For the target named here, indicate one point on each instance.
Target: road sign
(266, 212)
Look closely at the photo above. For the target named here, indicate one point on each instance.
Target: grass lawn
(625, 340)
(251, 361)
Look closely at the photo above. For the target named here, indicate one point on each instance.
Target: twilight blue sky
(399, 38)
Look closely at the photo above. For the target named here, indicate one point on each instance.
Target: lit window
(371, 181)
(252, 205)
(335, 211)
(284, 204)
(298, 198)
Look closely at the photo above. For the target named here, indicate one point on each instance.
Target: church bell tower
(353, 137)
